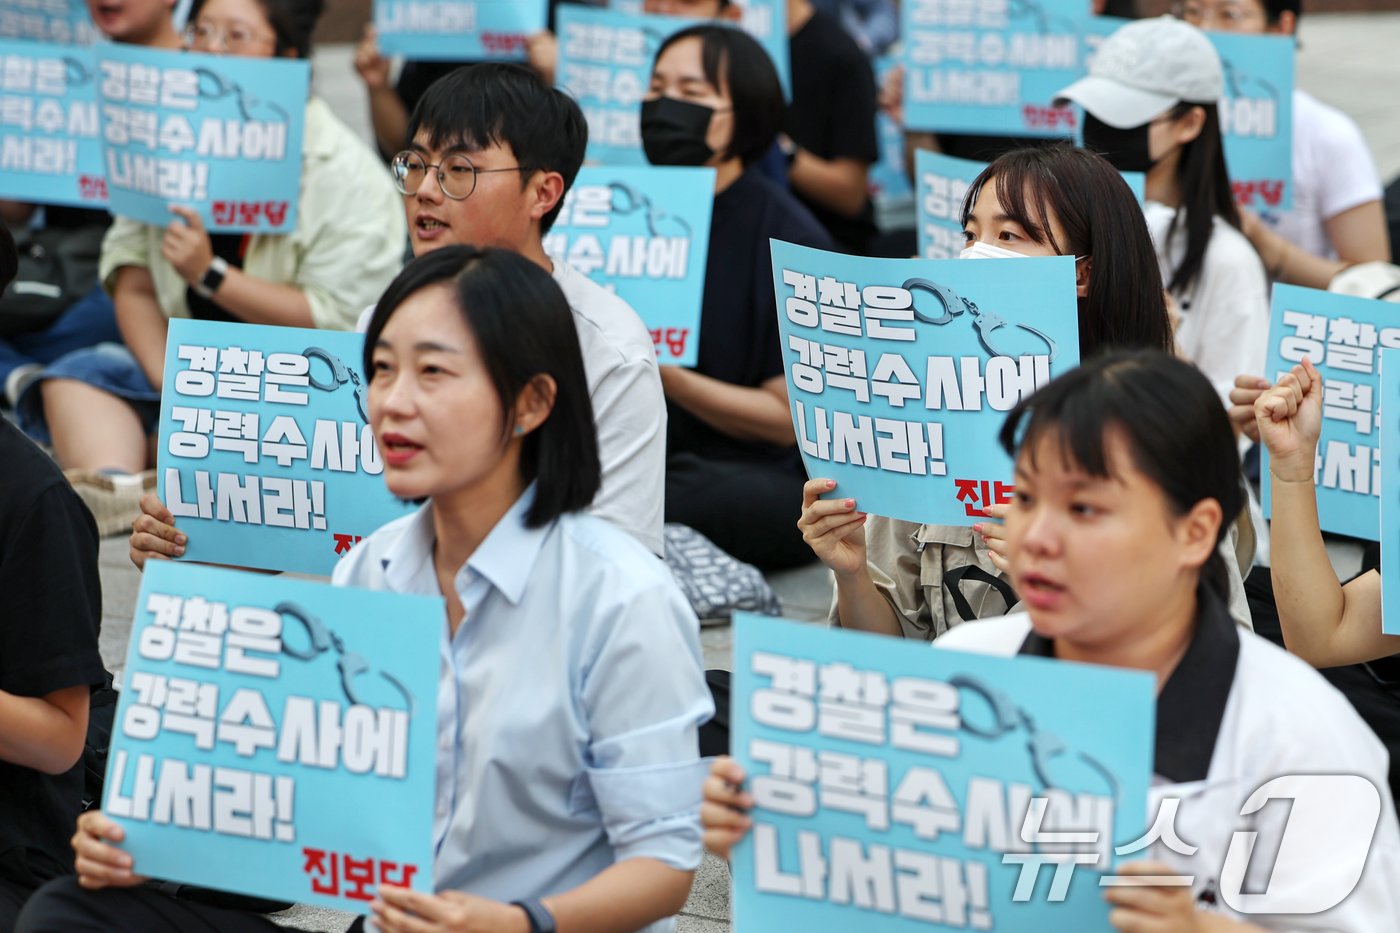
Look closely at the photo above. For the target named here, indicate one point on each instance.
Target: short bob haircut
(523, 328)
(734, 61)
(1171, 419)
(501, 104)
(292, 22)
(1101, 219)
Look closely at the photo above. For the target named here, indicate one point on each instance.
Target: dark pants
(62, 906)
(12, 898)
(1373, 689)
(748, 508)
(89, 322)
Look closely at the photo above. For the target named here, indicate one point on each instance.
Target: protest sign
(894, 789)
(991, 66)
(1341, 335)
(277, 737)
(1256, 117)
(901, 371)
(643, 233)
(266, 455)
(50, 152)
(605, 60)
(1388, 414)
(220, 134)
(943, 181)
(458, 30)
(765, 20)
(62, 22)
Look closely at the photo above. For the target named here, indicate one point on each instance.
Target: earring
(519, 430)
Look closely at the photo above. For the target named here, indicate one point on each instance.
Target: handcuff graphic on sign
(351, 664)
(984, 322)
(1044, 747)
(628, 200)
(216, 87)
(340, 375)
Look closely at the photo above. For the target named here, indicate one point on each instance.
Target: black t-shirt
(738, 317)
(229, 247)
(50, 614)
(832, 114)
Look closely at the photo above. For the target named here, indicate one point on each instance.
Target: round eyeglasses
(456, 174)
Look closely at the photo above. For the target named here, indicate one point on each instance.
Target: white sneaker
(113, 498)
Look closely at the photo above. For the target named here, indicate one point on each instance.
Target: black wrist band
(541, 920)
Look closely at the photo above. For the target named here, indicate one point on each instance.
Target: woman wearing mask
(732, 472)
(98, 407)
(566, 797)
(1150, 103)
(901, 578)
(1126, 474)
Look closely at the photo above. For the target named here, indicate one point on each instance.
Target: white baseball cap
(1146, 68)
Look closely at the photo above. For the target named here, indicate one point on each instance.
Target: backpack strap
(953, 579)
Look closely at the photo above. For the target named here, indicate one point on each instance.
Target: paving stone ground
(1347, 60)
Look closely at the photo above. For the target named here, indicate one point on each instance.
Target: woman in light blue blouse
(572, 686)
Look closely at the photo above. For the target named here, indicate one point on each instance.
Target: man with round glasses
(492, 152)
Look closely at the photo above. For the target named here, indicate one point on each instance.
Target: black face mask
(1126, 150)
(673, 132)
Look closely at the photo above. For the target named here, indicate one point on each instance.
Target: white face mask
(981, 250)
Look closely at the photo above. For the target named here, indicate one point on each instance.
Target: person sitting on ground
(49, 659)
(1338, 219)
(733, 472)
(99, 407)
(571, 662)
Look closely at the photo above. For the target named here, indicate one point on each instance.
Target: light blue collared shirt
(568, 703)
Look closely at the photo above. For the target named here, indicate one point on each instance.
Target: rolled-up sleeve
(127, 243)
(643, 758)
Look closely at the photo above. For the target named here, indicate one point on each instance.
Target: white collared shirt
(1279, 717)
(568, 704)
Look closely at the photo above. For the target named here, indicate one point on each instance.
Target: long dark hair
(1169, 414)
(1124, 308)
(523, 328)
(1205, 194)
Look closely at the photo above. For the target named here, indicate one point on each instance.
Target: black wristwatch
(541, 920)
(213, 278)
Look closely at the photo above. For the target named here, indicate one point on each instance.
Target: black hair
(733, 60)
(1274, 9)
(9, 258)
(523, 328)
(1205, 194)
(1171, 419)
(292, 21)
(1124, 308)
(503, 104)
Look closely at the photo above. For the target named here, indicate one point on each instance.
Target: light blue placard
(645, 234)
(605, 60)
(942, 181)
(1256, 116)
(890, 781)
(888, 397)
(889, 177)
(765, 20)
(50, 148)
(992, 66)
(1388, 414)
(266, 456)
(62, 22)
(277, 737)
(458, 30)
(220, 134)
(1341, 335)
